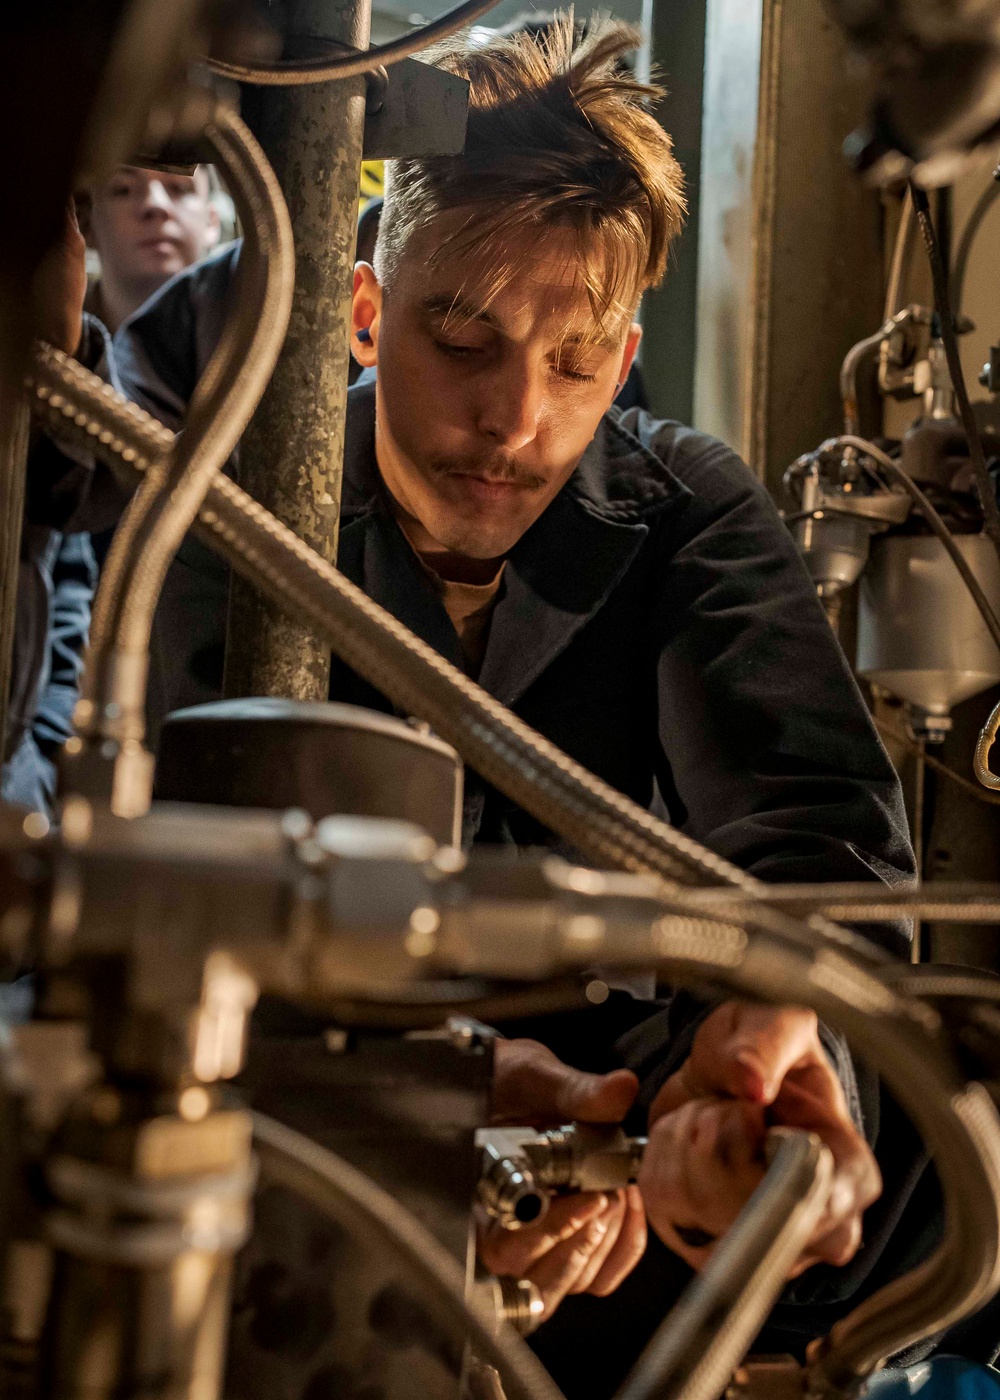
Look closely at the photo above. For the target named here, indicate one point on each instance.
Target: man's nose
(156, 199)
(510, 405)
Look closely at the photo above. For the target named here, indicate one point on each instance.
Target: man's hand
(589, 1242)
(750, 1067)
(59, 288)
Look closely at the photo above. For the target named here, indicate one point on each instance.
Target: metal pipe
(897, 1033)
(160, 513)
(291, 455)
(606, 826)
(853, 361)
(858, 903)
(292, 72)
(702, 1340)
(900, 257)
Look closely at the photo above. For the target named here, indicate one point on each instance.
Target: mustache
(492, 466)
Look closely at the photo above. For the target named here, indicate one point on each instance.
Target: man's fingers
(516, 1251)
(813, 1099)
(627, 1249)
(753, 1048)
(557, 1272)
(596, 1098)
(531, 1085)
(612, 1219)
(701, 1164)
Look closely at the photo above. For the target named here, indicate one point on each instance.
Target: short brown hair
(559, 135)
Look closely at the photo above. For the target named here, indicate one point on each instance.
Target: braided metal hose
(162, 510)
(608, 827)
(901, 1038)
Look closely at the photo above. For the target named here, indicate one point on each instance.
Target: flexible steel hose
(339, 1190)
(162, 510)
(292, 72)
(898, 1036)
(691, 1356)
(608, 827)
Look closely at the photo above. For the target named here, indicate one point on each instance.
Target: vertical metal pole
(669, 314)
(13, 458)
(818, 284)
(291, 457)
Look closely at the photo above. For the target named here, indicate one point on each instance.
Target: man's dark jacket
(657, 623)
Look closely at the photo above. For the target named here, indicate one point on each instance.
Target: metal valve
(523, 1169)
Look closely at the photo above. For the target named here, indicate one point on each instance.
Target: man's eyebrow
(465, 311)
(462, 310)
(589, 340)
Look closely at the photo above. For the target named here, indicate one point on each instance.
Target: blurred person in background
(146, 226)
(57, 572)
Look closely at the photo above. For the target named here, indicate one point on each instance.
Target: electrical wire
(942, 298)
(896, 472)
(982, 207)
(292, 72)
(888, 731)
(339, 1190)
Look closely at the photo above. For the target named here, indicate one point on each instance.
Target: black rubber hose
(942, 299)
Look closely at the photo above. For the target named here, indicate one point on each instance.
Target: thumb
(595, 1098)
(745, 1050)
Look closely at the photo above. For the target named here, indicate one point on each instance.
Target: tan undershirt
(468, 605)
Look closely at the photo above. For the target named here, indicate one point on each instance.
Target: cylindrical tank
(920, 635)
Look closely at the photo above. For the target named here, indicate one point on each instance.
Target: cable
(292, 72)
(340, 1191)
(939, 276)
(982, 207)
(898, 736)
(981, 757)
(930, 515)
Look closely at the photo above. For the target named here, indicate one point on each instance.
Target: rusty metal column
(291, 457)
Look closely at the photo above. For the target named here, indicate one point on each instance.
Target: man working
(628, 588)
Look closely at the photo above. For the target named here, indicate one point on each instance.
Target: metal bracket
(415, 110)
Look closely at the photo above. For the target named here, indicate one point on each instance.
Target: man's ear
(628, 355)
(366, 314)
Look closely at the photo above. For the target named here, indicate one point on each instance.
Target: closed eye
(574, 375)
(458, 352)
